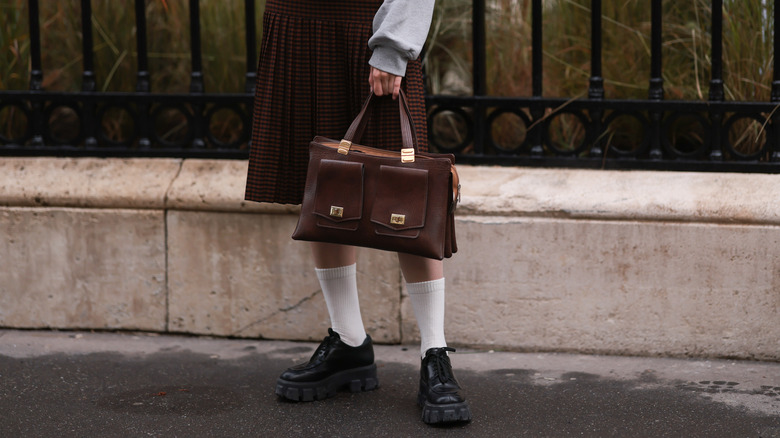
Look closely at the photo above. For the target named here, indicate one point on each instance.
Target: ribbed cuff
(425, 287)
(389, 60)
(340, 272)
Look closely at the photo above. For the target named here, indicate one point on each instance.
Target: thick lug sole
(353, 380)
(442, 414)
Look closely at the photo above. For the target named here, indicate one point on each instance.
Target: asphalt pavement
(83, 384)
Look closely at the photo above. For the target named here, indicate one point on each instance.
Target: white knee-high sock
(339, 286)
(427, 299)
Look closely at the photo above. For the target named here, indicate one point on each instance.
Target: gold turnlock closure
(336, 211)
(397, 219)
(344, 147)
(407, 155)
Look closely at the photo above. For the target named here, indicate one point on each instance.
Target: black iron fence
(162, 124)
(590, 132)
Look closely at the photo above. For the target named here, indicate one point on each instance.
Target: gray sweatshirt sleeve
(400, 30)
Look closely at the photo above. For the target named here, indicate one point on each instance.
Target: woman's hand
(383, 83)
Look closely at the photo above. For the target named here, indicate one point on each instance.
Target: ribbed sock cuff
(339, 288)
(340, 272)
(425, 287)
(427, 298)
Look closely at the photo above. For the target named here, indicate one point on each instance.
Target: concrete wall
(648, 263)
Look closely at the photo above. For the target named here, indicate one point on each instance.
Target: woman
(319, 60)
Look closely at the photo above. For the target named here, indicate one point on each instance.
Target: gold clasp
(344, 147)
(336, 211)
(397, 219)
(407, 155)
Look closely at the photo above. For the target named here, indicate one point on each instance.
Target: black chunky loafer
(439, 394)
(333, 367)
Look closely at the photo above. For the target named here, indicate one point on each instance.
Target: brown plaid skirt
(312, 80)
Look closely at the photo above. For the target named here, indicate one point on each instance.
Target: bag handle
(408, 137)
(408, 134)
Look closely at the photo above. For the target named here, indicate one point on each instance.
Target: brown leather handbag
(363, 196)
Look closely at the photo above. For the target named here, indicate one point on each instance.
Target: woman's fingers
(383, 83)
(396, 86)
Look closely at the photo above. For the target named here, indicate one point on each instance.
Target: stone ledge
(624, 195)
(218, 185)
(137, 183)
(648, 263)
(86, 182)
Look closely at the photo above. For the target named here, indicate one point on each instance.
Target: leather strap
(408, 134)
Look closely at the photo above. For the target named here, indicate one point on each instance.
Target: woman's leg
(336, 270)
(345, 358)
(331, 255)
(425, 284)
(439, 394)
(417, 269)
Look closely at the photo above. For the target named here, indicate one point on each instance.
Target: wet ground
(67, 384)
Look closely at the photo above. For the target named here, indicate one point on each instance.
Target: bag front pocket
(401, 201)
(338, 201)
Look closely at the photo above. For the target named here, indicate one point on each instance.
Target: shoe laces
(326, 343)
(442, 368)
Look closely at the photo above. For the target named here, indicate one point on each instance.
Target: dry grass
(114, 33)
(747, 51)
(626, 46)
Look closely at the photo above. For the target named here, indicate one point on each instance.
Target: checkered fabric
(312, 80)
